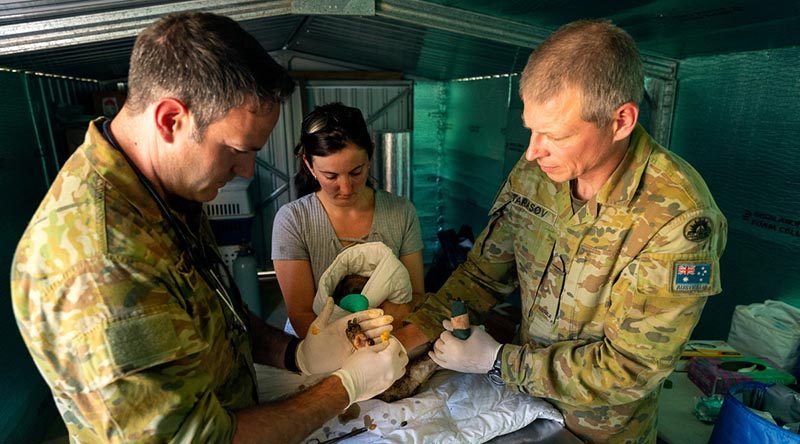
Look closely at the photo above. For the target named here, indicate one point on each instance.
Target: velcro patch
(692, 276)
(141, 342)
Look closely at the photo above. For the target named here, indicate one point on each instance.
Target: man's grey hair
(597, 58)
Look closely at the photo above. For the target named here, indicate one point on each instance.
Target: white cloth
(451, 408)
(388, 277)
(388, 280)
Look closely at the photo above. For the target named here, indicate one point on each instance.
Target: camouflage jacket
(610, 294)
(131, 340)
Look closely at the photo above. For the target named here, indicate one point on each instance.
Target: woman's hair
(327, 130)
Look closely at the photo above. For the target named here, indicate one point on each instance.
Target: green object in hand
(354, 302)
(459, 318)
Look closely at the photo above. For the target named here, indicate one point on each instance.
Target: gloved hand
(476, 354)
(397, 311)
(326, 346)
(371, 370)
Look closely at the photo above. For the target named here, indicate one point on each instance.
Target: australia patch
(692, 276)
(697, 229)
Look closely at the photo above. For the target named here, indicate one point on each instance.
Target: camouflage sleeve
(652, 314)
(488, 275)
(131, 363)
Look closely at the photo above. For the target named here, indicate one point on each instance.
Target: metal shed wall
(28, 162)
(737, 121)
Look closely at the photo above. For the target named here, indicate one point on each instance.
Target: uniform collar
(621, 186)
(112, 166)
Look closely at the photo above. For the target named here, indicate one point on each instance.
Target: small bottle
(245, 274)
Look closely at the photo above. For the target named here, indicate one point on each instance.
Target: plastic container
(231, 214)
(228, 254)
(770, 330)
(737, 423)
(232, 231)
(232, 201)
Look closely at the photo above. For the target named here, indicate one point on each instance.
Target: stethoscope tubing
(203, 269)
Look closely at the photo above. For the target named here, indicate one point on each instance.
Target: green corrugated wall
(460, 150)
(25, 397)
(430, 101)
(737, 120)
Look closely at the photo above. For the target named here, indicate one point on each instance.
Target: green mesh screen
(475, 150)
(737, 120)
(460, 151)
(430, 112)
(23, 391)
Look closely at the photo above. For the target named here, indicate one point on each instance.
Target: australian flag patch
(692, 276)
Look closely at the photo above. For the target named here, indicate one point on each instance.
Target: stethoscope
(189, 242)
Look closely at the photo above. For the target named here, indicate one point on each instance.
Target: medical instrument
(339, 438)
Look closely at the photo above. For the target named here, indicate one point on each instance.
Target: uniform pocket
(548, 295)
(534, 260)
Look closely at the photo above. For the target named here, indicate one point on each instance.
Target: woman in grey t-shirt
(338, 208)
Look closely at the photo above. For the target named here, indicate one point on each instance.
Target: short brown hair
(594, 56)
(208, 62)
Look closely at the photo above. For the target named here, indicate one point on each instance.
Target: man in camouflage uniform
(118, 289)
(613, 240)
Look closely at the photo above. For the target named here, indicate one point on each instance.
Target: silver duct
(392, 162)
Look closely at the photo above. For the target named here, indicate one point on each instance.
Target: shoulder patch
(691, 276)
(141, 342)
(697, 229)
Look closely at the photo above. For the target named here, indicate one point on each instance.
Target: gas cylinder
(245, 274)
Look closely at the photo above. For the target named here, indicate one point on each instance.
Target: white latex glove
(371, 370)
(326, 345)
(476, 354)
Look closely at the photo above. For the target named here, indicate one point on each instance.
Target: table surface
(676, 421)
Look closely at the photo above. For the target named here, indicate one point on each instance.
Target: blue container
(737, 424)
